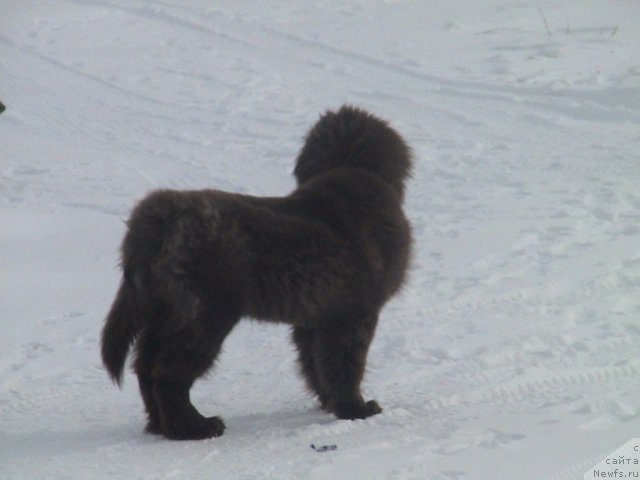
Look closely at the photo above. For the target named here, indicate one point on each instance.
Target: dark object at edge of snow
(323, 448)
(2, 107)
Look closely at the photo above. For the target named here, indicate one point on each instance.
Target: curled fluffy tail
(120, 329)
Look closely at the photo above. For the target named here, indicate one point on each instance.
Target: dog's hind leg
(304, 340)
(147, 348)
(340, 353)
(183, 357)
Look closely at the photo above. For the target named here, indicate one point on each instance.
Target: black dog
(324, 259)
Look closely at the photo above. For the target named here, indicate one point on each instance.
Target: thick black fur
(324, 258)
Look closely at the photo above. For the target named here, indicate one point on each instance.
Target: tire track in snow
(161, 15)
(542, 387)
(572, 104)
(77, 73)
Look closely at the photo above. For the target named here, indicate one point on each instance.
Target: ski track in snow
(513, 350)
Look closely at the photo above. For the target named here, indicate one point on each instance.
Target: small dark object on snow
(324, 448)
(2, 107)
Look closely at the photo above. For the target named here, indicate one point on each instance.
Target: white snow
(514, 350)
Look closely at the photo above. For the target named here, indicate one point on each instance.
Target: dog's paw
(352, 411)
(325, 404)
(195, 430)
(153, 427)
(372, 408)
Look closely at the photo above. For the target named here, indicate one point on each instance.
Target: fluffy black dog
(323, 259)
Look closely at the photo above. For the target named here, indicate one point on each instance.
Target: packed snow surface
(514, 350)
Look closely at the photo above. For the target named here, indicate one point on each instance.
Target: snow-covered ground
(513, 352)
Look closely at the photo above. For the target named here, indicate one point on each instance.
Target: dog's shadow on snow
(268, 423)
(108, 440)
(53, 443)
